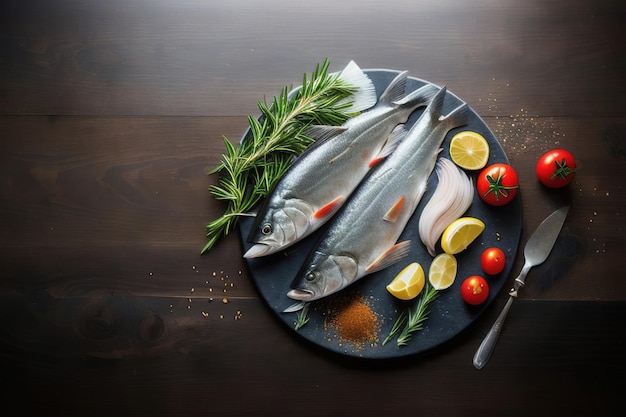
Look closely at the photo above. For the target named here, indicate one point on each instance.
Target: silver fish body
(320, 181)
(363, 237)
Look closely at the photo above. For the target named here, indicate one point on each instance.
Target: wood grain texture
(135, 357)
(219, 58)
(113, 113)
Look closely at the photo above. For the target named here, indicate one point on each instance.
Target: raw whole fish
(362, 238)
(320, 181)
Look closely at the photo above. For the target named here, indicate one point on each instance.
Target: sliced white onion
(452, 197)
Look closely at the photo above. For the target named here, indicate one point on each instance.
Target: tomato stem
(562, 170)
(496, 187)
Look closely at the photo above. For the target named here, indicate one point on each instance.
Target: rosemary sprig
(413, 319)
(416, 319)
(302, 317)
(249, 170)
(396, 326)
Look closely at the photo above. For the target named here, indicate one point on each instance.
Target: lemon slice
(408, 283)
(460, 233)
(442, 271)
(469, 150)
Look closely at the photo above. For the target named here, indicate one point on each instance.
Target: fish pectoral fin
(394, 212)
(390, 257)
(394, 138)
(329, 209)
(297, 306)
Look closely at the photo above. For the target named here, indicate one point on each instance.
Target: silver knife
(536, 251)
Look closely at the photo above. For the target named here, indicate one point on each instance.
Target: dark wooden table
(111, 115)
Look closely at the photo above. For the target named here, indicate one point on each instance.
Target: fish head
(323, 275)
(278, 227)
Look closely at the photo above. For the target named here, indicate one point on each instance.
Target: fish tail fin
(419, 97)
(457, 117)
(435, 107)
(396, 89)
(365, 95)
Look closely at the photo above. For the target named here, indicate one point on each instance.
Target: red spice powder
(355, 321)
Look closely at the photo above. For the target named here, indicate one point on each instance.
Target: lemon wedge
(460, 234)
(442, 272)
(469, 150)
(408, 283)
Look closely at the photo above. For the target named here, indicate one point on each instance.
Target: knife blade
(536, 251)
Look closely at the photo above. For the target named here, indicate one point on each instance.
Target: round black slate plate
(449, 315)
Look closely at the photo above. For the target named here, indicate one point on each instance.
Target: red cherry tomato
(492, 261)
(474, 290)
(556, 168)
(497, 184)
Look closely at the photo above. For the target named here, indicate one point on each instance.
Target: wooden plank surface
(219, 58)
(112, 356)
(111, 116)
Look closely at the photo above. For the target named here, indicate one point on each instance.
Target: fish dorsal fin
(394, 138)
(396, 89)
(365, 95)
(389, 257)
(394, 212)
(347, 265)
(329, 209)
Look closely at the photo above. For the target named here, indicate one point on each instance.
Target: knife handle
(483, 353)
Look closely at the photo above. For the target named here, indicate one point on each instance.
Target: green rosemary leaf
(419, 315)
(302, 317)
(221, 193)
(249, 170)
(396, 327)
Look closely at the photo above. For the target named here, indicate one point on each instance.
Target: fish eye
(311, 275)
(266, 229)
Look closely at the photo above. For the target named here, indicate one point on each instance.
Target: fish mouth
(301, 295)
(257, 250)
